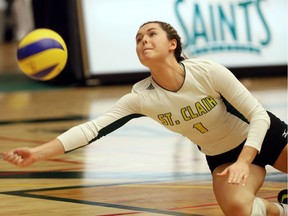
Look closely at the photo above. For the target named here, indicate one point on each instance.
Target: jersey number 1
(199, 126)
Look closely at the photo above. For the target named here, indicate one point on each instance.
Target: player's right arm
(26, 156)
(124, 110)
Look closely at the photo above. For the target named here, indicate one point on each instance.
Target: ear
(173, 44)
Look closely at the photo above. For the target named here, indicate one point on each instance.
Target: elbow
(261, 115)
(268, 121)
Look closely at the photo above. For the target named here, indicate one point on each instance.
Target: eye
(138, 39)
(152, 34)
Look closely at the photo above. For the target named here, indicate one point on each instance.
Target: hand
(20, 157)
(238, 172)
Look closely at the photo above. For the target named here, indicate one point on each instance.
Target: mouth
(147, 50)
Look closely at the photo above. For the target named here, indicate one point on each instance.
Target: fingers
(237, 178)
(12, 158)
(223, 173)
(234, 177)
(245, 177)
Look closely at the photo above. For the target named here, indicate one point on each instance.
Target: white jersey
(197, 111)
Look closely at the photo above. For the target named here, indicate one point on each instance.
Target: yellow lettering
(184, 114)
(211, 101)
(166, 119)
(161, 117)
(206, 104)
(200, 108)
(192, 114)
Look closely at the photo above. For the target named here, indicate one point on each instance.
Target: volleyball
(42, 54)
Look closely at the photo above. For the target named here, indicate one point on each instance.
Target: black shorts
(273, 144)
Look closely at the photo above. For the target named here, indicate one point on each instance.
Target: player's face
(152, 44)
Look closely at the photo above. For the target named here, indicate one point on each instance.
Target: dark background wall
(61, 16)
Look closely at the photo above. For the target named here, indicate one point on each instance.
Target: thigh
(229, 195)
(281, 162)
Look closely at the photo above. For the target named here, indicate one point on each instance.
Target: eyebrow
(147, 31)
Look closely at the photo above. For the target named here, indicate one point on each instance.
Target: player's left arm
(241, 99)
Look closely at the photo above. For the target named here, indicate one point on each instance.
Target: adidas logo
(150, 87)
(285, 133)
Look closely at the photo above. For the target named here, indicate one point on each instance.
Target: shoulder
(205, 67)
(143, 85)
(133, 100)
(138, 90)
(203, 64)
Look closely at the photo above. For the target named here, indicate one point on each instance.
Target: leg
(237, 199)
(281, 165)
(281, 162)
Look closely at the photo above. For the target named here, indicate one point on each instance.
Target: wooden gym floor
(141, 169)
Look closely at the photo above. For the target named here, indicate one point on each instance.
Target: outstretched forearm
(48, 150)
(26, 156)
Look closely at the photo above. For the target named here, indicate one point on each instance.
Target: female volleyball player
(203, 101)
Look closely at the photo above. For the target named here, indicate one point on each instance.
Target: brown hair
(171, 34)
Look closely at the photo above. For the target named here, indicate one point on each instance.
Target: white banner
(236, 33)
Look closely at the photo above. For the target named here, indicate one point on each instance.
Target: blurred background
(249, 37)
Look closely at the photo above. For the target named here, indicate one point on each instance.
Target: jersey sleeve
(127, 108)
(241, 99)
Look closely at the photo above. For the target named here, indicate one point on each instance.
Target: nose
(145, 39)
